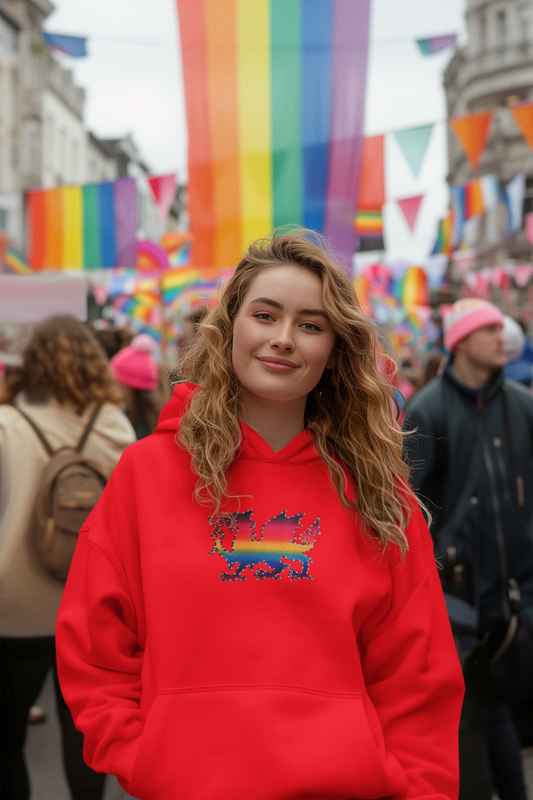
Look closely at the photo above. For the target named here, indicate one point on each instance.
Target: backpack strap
(88, 429)
(49, 449)
(46, 444)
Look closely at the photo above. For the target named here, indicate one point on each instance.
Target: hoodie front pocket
(257, 743)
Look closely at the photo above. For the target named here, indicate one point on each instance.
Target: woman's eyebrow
(268, 302)
(312, 312)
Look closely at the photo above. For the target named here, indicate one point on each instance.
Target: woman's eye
(263, 315)
(310, 326)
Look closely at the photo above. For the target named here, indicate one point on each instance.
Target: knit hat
(514, 339)
(466, 316)
(135, 366)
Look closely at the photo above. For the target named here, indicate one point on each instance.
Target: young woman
(64, 377)
(254, 611)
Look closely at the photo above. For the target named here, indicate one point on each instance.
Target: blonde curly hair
(349, 411)
(63, 359)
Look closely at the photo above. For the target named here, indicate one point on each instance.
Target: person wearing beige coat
(64, 376)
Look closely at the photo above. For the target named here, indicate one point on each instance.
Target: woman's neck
(278, 423)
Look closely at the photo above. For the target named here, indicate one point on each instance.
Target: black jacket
(472, 460)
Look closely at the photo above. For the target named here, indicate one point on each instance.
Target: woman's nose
(283, 338)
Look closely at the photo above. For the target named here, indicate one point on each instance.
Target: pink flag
(470, 280)
(522, 274)
(410, 207)
(463, 260)
(164, 191)
(499, 278)
(528, 225)
(482, 285)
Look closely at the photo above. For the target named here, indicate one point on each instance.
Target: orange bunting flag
(523, 116)
(472, 133)
(371, 195)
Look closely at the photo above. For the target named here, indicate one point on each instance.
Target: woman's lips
(278, 364)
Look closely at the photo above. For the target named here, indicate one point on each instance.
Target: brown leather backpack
(70, 487)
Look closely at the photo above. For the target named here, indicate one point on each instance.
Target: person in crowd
(518, 352)
(63, 378)
(254, 609)
(137, 371)
(112, 339)
(472, 450)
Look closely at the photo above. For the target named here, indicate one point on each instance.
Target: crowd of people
(255, 606)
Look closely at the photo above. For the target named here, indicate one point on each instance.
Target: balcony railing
(494, 60)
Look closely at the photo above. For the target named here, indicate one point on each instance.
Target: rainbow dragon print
(281, 548)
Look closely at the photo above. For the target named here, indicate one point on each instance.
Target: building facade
(43, 139)
(10, 210)
(493, 71)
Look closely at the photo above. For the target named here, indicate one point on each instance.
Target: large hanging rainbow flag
(83, 227)
(275, 102)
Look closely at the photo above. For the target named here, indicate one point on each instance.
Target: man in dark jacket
(472, 459)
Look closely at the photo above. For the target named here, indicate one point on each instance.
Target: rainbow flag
(474, 200)
(443, 243)
(369, 223)
(176, 281)
(415, 288)
(13, 261)
(275, 102)
(83, 227)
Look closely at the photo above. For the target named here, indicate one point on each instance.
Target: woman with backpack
(50, 400)
(254, 611)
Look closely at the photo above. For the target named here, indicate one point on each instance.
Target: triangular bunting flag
(436, 43)
(514, 200)
(75, 46)
(413, 143)
(490, 189)
(528, 227)
(472, 133)
(523, 116)
(164, 191)
(410, 207)
(463, 260)
(522, 274)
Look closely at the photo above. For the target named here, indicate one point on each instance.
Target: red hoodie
(276, 657)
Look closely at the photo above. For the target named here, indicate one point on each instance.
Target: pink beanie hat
(135, 366)
(466, 316)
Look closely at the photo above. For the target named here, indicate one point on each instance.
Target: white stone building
(493, 71)
(10, 202)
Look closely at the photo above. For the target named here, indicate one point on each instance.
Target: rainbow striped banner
(275, 102)
(83, 227)
(13, 261)
(369, 223)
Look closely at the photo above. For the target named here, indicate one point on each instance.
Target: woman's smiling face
(282, 339)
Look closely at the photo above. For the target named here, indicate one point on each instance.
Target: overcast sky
(133, 81)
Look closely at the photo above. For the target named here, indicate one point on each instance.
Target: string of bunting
(472, 132)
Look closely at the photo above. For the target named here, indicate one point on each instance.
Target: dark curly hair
(63, 359)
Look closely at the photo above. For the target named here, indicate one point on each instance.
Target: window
(74, 165)
(62, 161)
(8, 37)
(4, 219)
(483, 32)
(501, 29)
(525, 18)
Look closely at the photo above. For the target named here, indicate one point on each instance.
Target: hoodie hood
(173, 410)
(300, 450)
